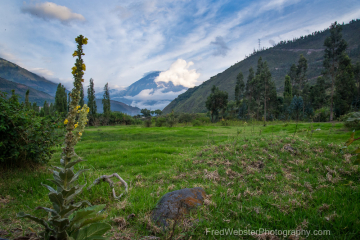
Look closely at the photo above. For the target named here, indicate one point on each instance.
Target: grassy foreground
(255, 177)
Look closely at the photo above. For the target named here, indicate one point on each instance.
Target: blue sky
(130, 38)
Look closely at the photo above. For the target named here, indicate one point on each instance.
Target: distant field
(255, 177)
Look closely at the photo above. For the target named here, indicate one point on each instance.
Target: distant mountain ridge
(12, 72)
(15, 77)
(20, 90)
(279, 59)
(147, 82)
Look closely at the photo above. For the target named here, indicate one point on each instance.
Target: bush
(322, 115)
(352, 120)
(26, 138)
(196, 123)
(185, 118)
(147, 122)
(160, 121)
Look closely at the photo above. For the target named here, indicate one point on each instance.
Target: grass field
(254, 177)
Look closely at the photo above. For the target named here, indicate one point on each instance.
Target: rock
(174, 205)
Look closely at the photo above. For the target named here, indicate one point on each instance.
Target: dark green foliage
(25, 138)
(145, 112)
(301, 73)
(106, 101)
(216, 102)
(61, 99)
(296, 107)
(239, 88)
(158, 112)
(287, 90)
(35, 107)
(345, 91)
(357, 82)
(91, 101)
(171, 119)
(293, 74)
(160, 121)
(317, 93)
(335, 47)
(352, 120)
(27, 103)
(185, 117)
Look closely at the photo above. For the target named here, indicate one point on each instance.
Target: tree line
(336, 92)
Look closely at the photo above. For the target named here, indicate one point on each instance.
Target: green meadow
(255, 177)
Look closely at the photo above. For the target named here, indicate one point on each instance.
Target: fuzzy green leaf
(71, 164)
(50, 188)
(84, 214)
(52, 211)
(94, 231)
(77, 175)
(58, 184)
(60, 223)
(35, 219)
(70, 209)
(57, 201)
(75, 193)
(66, 176)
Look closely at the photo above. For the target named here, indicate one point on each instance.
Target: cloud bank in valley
(180, 74)
(49, 10)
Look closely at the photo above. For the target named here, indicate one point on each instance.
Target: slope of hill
(118, 106)
(279, 58)
(20, 89)
(15, 73)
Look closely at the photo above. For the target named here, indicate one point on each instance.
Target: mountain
(146, 93)
(20, 90)
(279, 59)
(17, 74)
(118, 106)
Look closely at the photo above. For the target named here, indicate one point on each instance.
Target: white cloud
(155, 95)
(49, 10)
(179, 74)
(42, 72)
(148, 105)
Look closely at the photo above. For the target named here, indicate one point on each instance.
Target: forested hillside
(279, 59)
(12, 72)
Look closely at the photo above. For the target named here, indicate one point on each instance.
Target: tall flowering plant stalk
(66, 219)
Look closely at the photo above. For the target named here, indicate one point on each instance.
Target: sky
(190, 40)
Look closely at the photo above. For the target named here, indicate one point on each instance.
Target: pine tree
(46, 109)
(293, 74)
(106, 100)
(249, 90)
(216, 102)
(35, 107)
(60, 99)
(287, 90)
(357, 82)
(345, 86)
(335, 46)
(239, 88)
(318, 93)
(27, 103)
(91, 100)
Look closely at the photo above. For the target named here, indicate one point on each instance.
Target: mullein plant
(67, 219)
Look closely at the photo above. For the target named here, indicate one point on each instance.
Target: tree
(216, 102)
(296, 106)
(27, 103)
(345, 86)
(293, 74)
(357, 82)
(158, 112)
(145, 112)
(81, 102)
(335, 46)
(35, 107)
(301, 75)
(287, 90)
(250, 86)
(106, 100)
(60, 99)
(91, 100)
(317, 93)
(239, 88)
(46, 109)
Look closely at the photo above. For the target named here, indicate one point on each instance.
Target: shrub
(160, 121)
(147, 122)
(196, 123)
(171, 120)
(25, 137)
(352, 120)
(185, 118)
(322, 115)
